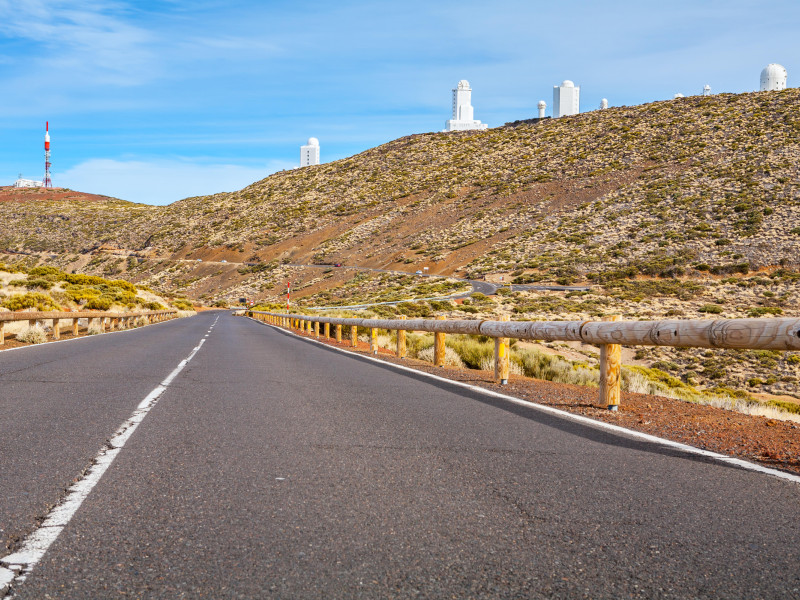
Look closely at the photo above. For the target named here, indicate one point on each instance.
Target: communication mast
(47, 182)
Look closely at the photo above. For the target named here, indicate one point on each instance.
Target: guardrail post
(31, 322)
(327, 330)
(103, 324)
(2, 332)
(373, 340)
(610, 367)
(502, 360)
(401, 340)
(353, 336)
(316, 329)
(56, 329)
(338, 333)
(438, 346)
(75, 326)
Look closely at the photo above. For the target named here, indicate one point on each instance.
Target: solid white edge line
(36, 544)
(632, 433)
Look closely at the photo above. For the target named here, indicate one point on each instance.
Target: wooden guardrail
(609, 335)
(101, 318)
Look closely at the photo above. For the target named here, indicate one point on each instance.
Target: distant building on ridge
(309, 154)
(773, 78)
(566, 99)
(462, 110)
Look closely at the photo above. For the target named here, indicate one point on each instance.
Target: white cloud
(161, 182)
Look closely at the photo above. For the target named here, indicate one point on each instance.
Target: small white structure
(773, 78)
(462, 110)
(706, 90)
(309, 154)
(542, 107)
(679, 95)
(27, 183)
(566, 99)
(604, 104)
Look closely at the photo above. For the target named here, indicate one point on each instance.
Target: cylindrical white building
(773, 78)
(309, 154)
(706, 90)
(542, 107)
(604, 104)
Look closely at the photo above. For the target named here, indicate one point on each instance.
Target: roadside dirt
(760, 440)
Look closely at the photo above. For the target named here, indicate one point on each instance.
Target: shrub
(710, 308)
(471, 351)
(539, 365)
(35, 300)
(32, 335)
(451, 358)
(50, 273)
(99, 303)
(182, 304)
(764, 310)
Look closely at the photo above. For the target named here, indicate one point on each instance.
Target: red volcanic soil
(11, 194)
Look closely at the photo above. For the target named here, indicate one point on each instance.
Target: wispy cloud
(83, 42)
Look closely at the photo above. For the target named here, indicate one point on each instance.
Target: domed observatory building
(566, 99)
(773, 78)
(309, 154)
(462, 110)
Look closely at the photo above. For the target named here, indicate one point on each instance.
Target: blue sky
(154, 101)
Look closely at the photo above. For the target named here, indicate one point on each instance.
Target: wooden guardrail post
(353, 336)
(2, 332)
(327, 330)
(338, 332)
(373, 340)
(438, 346)
(316, 329)
(502, 360)
(610, 368)
(75, 326)
(31, 322)
(56, 329)
(401, 340)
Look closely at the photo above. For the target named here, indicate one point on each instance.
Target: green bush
(713, 309)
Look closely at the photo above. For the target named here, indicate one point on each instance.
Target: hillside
(683, 208)
(660, 189)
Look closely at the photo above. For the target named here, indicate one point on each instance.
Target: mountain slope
(668, 188)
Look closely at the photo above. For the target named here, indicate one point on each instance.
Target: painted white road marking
(15, 567)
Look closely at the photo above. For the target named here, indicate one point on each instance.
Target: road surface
(272, 467)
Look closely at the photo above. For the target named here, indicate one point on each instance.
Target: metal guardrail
(610, 336)
(101, 318)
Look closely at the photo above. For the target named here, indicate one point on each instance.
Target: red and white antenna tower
(288, 290)
(47, 182)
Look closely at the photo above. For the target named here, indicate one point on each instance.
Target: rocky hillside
(682, 188)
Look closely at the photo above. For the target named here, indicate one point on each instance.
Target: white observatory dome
(773, 78)
(542, 104)
(313, 142)
(603, 103)
(567, 83)
(463, 84)
(679, 95)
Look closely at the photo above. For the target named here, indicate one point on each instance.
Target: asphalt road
(272, 467)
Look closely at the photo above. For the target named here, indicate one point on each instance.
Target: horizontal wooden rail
(115, 319)
(743, 334)
(79, 314)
